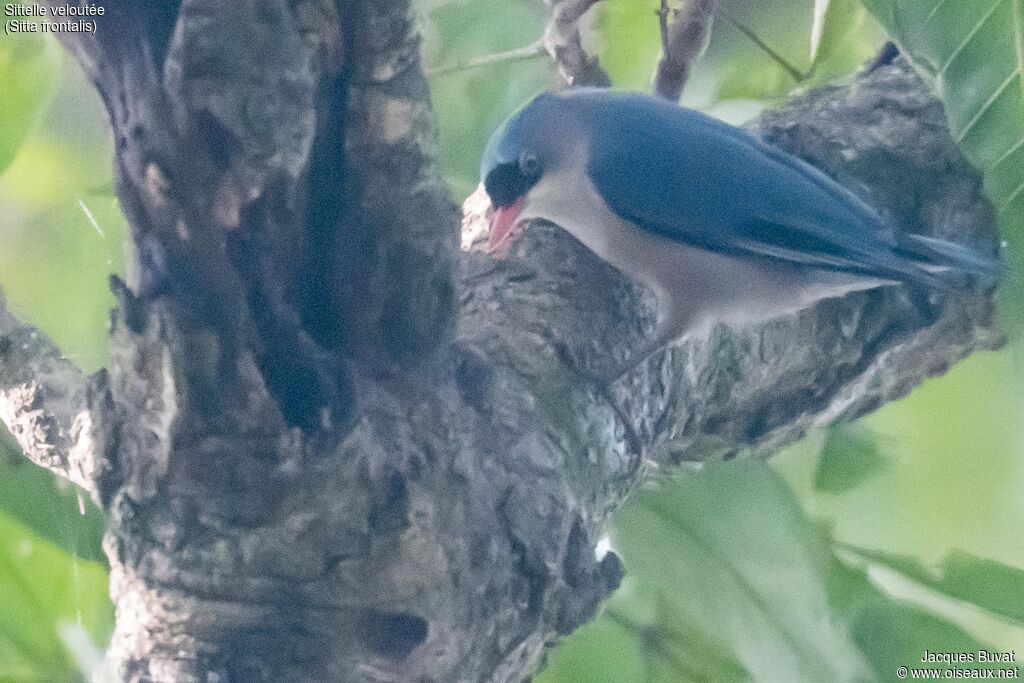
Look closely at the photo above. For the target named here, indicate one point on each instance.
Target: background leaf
(973, 52)
(821, 8)
(29, 64)
(890, 632)
(628, 41)
(849, 37)
(46, 592)
(735, 67)
(52, 509)
(987, 584)
(470, 103)
(849, 456)
(729, 579)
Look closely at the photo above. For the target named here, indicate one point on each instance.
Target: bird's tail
(948, 262)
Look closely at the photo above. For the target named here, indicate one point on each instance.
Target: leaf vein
(984, 107)
(1018, 41)
(1018, 44)
(927, 20)
(738, 577)
(1004, 156)
(970, 36)
(1013, 197)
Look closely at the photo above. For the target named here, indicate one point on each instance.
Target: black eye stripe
(506, 183)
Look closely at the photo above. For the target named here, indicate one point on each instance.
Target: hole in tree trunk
(393, 635)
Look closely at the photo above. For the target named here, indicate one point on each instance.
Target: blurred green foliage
(730, 580)
(56, 510)
(849, 555)
(849, 456)
(28, 74)
(470, 103)
(55, 614)
(61, 234)
(736, 69)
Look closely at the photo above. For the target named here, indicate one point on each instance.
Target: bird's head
(531, 143)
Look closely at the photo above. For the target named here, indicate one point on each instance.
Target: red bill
(504, 226)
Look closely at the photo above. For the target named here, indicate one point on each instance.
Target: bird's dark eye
(529, 165)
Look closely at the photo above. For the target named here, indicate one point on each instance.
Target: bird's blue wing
(692, 178)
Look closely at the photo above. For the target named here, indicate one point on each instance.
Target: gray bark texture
(330, 446)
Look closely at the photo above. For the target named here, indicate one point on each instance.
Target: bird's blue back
(695, 179)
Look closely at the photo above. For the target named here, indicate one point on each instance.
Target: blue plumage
(723, 227)
(686, 176)
(692, 178)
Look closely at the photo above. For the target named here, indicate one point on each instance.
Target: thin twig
(663, 14)
(563, 42)
(531, 51)
(683, 43)
(796, 73)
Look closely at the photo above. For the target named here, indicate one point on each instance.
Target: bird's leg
(602, 384)
(638, 357)
(603, 389)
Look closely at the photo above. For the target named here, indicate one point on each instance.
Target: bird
(721, 226)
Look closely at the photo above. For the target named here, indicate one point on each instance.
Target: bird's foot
(602, 387)
(637, 358)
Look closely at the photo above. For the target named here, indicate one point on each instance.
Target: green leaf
(890, 632)
(847, 36)
(849, 456)
(740, 68)
(728, 579)
(600, 652)
(987, 584)
(50, 603)
(842, 36)
(630, 41)
(55, 265)
(54, 510)
(737, 560)
(821, 10)
(29, 69)
(640, 636)
(973, 52)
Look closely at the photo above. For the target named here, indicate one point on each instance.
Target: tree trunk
(333, 447)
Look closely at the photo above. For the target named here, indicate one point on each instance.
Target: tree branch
(305, 477)
(683, 43)
(562, 41)
(565, 45)
(398, 260)
(531, 51)
(43, 402)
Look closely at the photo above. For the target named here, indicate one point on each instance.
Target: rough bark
(683, 41)
(331, 447)
(564, 42)
(43, 402)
